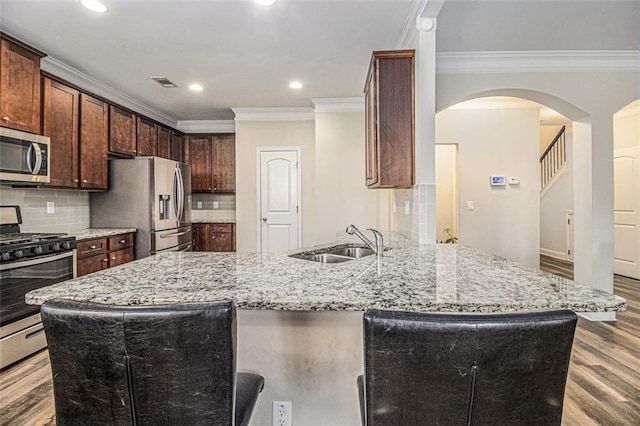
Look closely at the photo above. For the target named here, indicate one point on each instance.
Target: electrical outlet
(199, 204)
(282, 413)
(215, 204)
(51, 207)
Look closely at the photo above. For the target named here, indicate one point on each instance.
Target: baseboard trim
(598, 316)
(555, 254)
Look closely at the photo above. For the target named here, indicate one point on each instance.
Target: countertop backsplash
(70, 208)
(213, 202)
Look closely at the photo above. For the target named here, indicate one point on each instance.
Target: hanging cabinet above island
(390, 120)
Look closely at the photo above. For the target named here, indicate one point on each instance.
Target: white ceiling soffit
(338, 104)
(538, 61)
(207, 126)
(274, 114)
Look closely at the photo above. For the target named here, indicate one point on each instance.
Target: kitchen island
(300, 322)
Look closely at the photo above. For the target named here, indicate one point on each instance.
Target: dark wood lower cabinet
(102, 253)
(217, 237)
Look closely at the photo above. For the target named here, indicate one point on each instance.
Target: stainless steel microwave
(24, 157)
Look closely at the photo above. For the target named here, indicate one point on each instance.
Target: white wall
(253, 134)
(341, 195)
(505, 220)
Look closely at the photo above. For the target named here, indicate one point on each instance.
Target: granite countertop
(90, 234)
(412, 277)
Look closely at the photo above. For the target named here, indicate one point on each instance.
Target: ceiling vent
(164, 82)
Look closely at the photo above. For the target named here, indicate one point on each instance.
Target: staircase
(553, 159)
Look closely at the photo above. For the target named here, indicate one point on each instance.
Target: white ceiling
(245, 54)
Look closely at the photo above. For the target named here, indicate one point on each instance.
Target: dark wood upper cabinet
(60, 116)
(147, 137)
(198, 153)
(122, 131)
(224, 163)
(164, 142)
(390, 121)
(19, 85)
(94, 123)
(213, 162)
(177, 146)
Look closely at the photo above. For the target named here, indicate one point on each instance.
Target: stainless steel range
(27, 261)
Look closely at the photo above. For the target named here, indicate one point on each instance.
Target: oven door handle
(37, 261)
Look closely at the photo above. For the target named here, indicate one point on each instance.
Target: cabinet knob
(213, 238)
(84, 181)
(113, 258)
(105, 260)
(209, 189)
(92, 247)
(5, 119)
(76, 180)
(123, 241)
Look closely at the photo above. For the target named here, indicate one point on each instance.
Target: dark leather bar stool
(465, 369)
(147, 365)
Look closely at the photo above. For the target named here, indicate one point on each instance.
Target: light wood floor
(603, 386)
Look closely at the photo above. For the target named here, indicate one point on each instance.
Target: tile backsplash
(213, 201)
(70, 208)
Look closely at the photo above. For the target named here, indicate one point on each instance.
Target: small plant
(452, 238)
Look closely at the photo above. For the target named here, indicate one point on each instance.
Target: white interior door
(279, 200)
(626, 203)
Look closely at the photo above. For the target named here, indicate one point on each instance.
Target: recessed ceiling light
(94, 5)
(265, 2)
(195, 87)
(295, 85)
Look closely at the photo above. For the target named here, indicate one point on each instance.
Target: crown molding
(274, 114)
(538, 61)
(409, 35)
(90, 84)
(207, 126)
(338, 104)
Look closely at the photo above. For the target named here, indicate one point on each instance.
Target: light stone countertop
(90, 234)
(411, 277)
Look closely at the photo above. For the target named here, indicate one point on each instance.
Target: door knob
(264, 219)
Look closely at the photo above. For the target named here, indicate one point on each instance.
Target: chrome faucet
(378, 247)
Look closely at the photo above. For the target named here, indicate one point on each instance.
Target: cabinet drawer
(221, 241)
(222, 227)
(91, 247)
(120, 241)
(120, 256)
(92, 264)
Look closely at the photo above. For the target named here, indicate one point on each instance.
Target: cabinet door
(120, 257)
(198, 155)
(147, 137)
(94, 122)
(371, 164)
(122, 131)
(164, 142)
(177, 147)
(224, 163)
(200, 233)
(60, 123)
(92, 264)
(221, 242)
(19, 87)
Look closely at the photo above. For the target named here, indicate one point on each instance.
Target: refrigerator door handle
(175, 234)
(181, 194)
(176, 193)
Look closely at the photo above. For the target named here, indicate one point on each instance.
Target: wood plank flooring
(602, 389)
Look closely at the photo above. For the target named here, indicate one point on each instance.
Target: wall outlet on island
(199, 204)
(51, 207)
(282, 413)
(215, 204)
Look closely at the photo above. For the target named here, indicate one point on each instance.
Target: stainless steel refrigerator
(150, 194)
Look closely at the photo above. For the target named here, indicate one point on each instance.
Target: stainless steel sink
(335, 254)
(353, 251)
(326, 258)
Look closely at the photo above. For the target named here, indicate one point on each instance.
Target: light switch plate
(469, 205)
(407, 207)
(514, 180)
